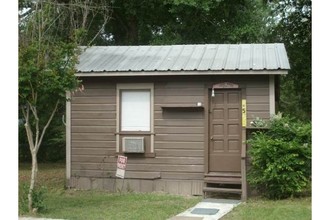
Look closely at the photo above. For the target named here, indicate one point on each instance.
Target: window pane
(135, 110)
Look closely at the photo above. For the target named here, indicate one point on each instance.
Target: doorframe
(207, 95)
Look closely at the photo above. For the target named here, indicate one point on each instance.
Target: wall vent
(133, 144)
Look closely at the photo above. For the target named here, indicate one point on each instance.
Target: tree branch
(46, 126)
(35, 113)
(90, 6)
(98, 33)
(27, 126)
(32, 90)
(50, 25)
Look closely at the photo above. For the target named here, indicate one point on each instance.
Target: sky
(9, 108)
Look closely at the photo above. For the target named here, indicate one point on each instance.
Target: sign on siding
(243, 112)
(121, 166)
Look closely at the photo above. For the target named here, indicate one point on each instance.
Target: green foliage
(47, 62)
(49, 35)
(291, 22)
(281, 158)
(187, 22)
(22, 198)
(232, 21)
(38, 198)
(53, 146)
(46, 69)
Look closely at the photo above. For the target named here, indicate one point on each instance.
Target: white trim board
(271, 95)
(68, 135)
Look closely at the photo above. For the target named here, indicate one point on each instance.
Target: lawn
(75, 204)
(91, 204)
(288, 209)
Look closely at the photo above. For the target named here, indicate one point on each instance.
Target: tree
(186, 21)
(46, 71)
(291, 24)
(223, 21)
(47, 57)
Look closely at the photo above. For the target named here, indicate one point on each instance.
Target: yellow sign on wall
(243, 112)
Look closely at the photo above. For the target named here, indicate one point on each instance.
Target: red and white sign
(121, 166)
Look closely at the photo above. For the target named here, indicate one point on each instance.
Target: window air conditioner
(133, 144)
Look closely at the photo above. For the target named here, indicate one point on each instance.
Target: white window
(135, 110)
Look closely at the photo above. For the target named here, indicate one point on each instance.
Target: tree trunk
(133, 32)
(34, 172)
(34, 146)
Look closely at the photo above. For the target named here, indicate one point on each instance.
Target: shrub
(281, 158)
(38, 198)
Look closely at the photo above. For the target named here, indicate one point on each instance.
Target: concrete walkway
(208, 209)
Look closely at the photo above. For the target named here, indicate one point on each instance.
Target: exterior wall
(177, 166)
(179, 139)
(93, 125)
(257, 98)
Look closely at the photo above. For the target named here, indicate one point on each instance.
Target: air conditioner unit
(133, 144)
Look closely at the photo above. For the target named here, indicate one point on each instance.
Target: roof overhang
(182, 73)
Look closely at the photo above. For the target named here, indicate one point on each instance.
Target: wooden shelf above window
(182, 107)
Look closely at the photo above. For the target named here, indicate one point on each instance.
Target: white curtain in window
(135, 110)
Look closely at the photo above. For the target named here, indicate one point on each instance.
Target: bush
(281, 158)
(38, 198)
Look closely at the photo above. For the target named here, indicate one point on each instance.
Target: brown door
(225, 131)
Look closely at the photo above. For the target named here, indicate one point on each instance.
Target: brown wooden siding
(179, 135)
(257, 98)
(93, 120)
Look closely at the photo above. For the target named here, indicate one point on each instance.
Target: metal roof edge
(183, 73)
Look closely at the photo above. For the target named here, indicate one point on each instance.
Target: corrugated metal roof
(206, 57)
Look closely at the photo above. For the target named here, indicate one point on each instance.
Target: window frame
(134, 86)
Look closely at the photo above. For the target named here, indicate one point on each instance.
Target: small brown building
(179, 113)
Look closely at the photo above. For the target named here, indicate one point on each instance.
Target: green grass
(78, 204)
(261, 209)
(100, 205)
(91, 204)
